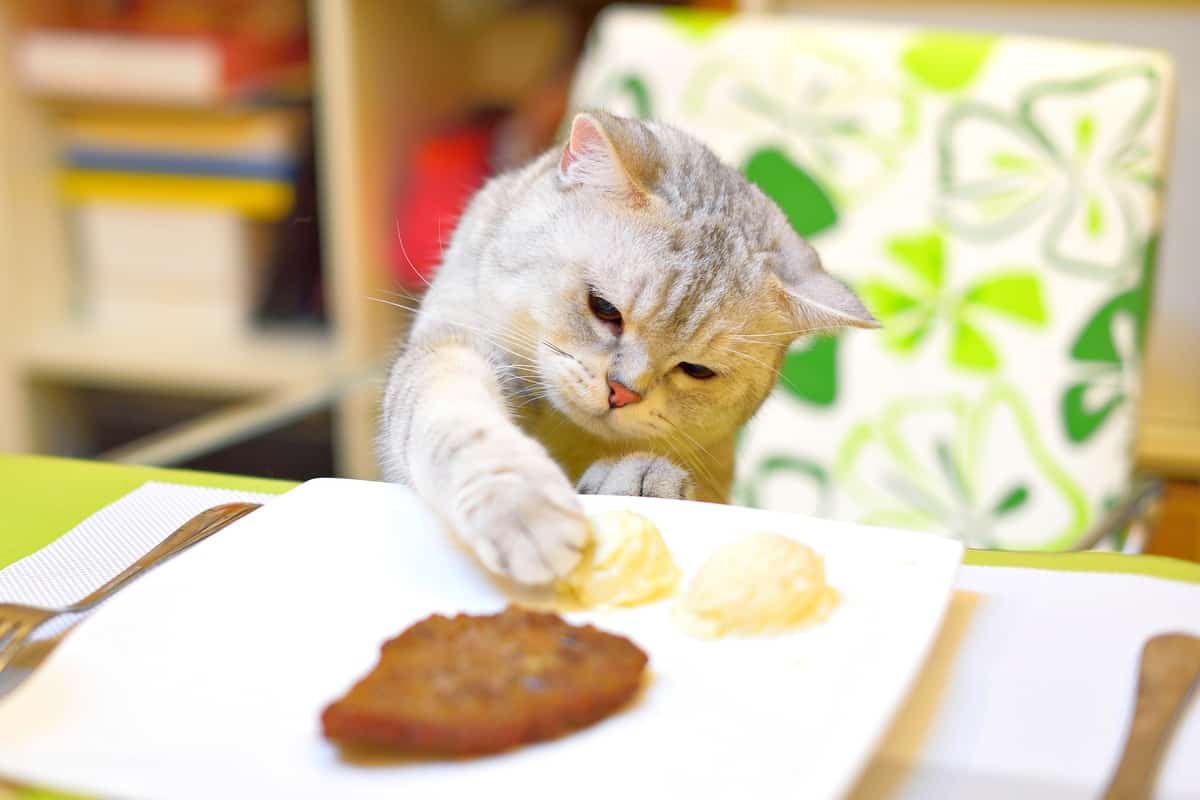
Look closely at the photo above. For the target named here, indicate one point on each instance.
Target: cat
(604, 319)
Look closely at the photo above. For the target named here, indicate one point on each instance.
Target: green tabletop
(42, 498)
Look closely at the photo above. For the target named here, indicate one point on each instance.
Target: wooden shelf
(224, 366)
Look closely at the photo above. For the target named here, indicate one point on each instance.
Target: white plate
(206, 677)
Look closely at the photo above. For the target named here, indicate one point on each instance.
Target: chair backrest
(995, 200)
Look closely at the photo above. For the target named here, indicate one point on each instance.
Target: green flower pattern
(911, 309)
(842, 124)
(810, 370)
(1109, 350)
(1070, 159)
(804, 483)
(626, 93)
(946, 62)
(977, 471)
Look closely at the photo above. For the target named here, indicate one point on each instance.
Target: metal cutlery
(17, 622)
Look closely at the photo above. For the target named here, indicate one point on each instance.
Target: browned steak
(470, 685)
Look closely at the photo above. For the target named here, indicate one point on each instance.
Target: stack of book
(180, 136)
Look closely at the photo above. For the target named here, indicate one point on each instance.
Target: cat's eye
(697, 371)
(604, 310)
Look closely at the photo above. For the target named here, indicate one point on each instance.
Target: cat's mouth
(579, 393)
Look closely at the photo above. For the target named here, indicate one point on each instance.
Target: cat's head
(669, 286)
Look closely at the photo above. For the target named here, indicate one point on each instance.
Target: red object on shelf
(446, 169)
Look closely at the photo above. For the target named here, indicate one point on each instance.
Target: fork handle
(199, 527)
(1170, 669)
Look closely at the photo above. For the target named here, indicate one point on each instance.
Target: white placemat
(104, 544)
(1030, 687)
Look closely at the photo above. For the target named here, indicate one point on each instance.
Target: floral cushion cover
(996, 203)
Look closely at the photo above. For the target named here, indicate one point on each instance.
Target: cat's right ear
(608, 154)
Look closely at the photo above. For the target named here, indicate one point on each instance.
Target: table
(44, 497)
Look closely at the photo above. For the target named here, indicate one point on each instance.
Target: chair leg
(1131, 512)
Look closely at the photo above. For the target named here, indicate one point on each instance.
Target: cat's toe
(526, 524)
(638, 475)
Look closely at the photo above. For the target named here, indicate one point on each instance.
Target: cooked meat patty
(470, 685)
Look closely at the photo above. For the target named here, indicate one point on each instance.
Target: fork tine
(5, 627)
(9, 648)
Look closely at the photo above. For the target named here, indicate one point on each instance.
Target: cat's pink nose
(621, 395)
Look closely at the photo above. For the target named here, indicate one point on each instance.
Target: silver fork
(17, 622)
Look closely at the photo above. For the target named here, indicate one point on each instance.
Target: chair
(995, 200)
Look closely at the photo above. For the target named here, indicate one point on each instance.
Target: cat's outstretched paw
(519, 513)
(640, 475)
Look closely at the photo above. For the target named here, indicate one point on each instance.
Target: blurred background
(202, 205)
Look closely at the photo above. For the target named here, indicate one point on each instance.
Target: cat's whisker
(776, 372)
(404, 293)
(690, 461)
(797, 332)
(689, 437)
(695, 463)
(695, 460)
(514, 337)
(485, 335)
(528, 401)
(404, 252)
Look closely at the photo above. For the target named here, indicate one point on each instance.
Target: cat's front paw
(640, 475)
(517, 510)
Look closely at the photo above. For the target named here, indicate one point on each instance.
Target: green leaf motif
(887, 299)
(923, 254)
(1097, 346)
(779, 465)
(635, 88)
(1070, 158)
(811, 373)
(951, 470)
(1094, 220)
(1085, 135)
(1017, 295)
(971, 350)
(947, 62)
(1095, 343)
(977, 469)
(1080, 421)
(625, 93)
(1005, 161)
(696, 23)
(805, 203)
(1146, 287)
(906, 333)
(1016, 498)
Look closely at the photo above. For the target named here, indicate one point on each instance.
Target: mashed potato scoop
(762, 583)
(626, 564)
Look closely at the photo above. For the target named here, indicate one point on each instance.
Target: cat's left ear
(611, 154)
(817, 299)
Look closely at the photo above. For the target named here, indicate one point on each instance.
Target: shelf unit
(384, 72)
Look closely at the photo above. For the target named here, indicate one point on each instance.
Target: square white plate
(206, 677)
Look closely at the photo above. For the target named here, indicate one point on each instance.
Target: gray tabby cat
(608, 315)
